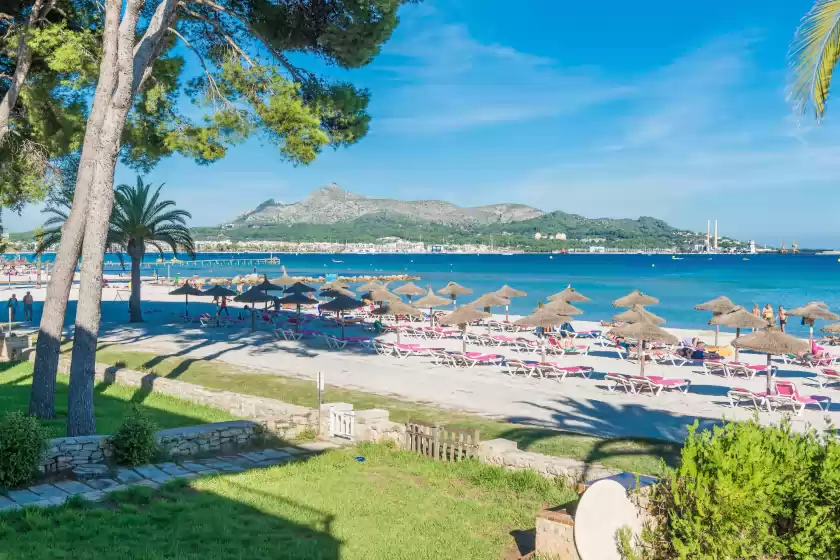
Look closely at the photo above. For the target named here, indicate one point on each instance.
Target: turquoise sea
(788, 280)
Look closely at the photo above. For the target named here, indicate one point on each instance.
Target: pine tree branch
(221, 32)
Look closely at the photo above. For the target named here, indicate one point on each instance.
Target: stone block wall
(506, 453)
(13, 347)
(284, 419)
(67, 453)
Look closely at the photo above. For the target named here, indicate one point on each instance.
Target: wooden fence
(439, 443)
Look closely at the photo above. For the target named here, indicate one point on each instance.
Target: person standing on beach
(756, 311)
(767, 314)
(27, 306)
(13, 305)
(223, 306)
(782, 318)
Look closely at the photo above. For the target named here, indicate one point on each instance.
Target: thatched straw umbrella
(253, 296)
(370, 286)
(336, 292)
(397, 308)
(569, 295)
(409, 289)
(336, 284)
(299, 288)
(833, 328)
(811, 312)
(544, 319)
(186, 290)
(739, 318)
(267, 286)
(635, 298)
(341, 304)
(771, 341)
(463, 316)
(297, 299)
(718, 306)
(560, 307)
(431, 300)
(487, 301)
(218, 291)
(638, 314)
(642, 332)
(284, 280)
(508, 292)
(381, 294)
(454, 289)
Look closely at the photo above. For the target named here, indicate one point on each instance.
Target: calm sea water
(788, 280)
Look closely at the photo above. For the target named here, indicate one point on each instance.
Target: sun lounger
(748, 371)
(826, 376)
(405, 350)
(443, 358)
(333, 342)
(715, 366)
(739, 395)
(811, 361)
(619, 380)
(524, 367)
(656, 384)
(472, 359)
(788, 395)
(287, 334)
(674, 358)
(551, 369)
(383, 348)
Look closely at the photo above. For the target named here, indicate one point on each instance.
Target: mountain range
(330, 204)
(331, 213)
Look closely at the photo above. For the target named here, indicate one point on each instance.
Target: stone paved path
(96, 482)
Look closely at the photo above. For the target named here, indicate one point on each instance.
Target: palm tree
(814, 54)
(138, 219)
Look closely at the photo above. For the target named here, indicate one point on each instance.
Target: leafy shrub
(745, 491)
(22, 443)
(134, 443)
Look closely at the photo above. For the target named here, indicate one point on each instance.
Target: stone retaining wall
(67, 453)
(284, 419)
(506, 453)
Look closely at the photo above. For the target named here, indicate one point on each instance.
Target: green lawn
(628, 454)
(395, 505)
(111, 403)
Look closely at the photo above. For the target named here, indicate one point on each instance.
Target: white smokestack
(708, 234)
(716, 236)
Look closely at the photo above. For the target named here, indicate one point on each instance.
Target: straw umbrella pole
(542, 318)
(463, 316)
(297, 299)
(771, 341)
(186, 290)
(569, 295)
(811, 312)
(508, 292)
(397, 308)
(635, 298)
(454, 289)
(739, 318)
(718, 306)
(253, 296)
(431, 301)
(341, 304)
(644, 332)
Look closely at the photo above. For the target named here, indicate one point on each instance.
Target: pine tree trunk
(42, 399)
(136, 254)
(80, 414)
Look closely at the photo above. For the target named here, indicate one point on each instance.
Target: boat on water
(507, 254)
(676, 258)
(337, 261)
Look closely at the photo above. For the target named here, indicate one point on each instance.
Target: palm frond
(814, 53)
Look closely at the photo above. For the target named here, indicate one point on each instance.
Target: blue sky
(599, 108)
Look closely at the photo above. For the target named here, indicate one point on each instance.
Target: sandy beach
(576, 404)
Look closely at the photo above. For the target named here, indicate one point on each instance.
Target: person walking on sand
(767, 314)
(223, 306)
(782, 318)
(756, 311)
(27, 306)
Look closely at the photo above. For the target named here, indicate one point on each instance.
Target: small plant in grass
(22, 443)
(135, 443)
(308, 434)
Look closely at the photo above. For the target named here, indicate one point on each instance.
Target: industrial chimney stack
(716, 237)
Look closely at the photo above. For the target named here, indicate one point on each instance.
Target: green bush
(22, 443)
(745, 491)
(134, 443)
